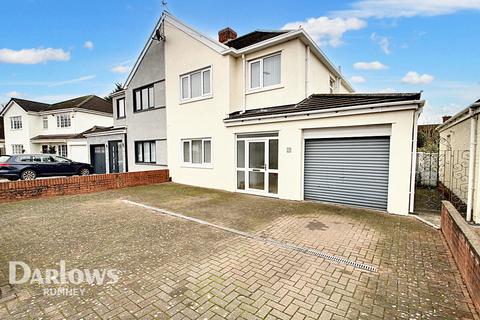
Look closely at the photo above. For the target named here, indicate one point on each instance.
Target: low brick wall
(23, 190)
(465, 247)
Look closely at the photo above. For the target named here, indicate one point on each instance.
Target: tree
(118, 87)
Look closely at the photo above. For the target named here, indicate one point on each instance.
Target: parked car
(31, 166)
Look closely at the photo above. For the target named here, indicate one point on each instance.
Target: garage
(351, 171)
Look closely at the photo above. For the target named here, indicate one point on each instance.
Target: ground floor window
(17, 149)
(257, 163)
(62, 150)
(197, 151)
(145, 152)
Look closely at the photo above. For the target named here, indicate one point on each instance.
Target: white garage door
(78, 153)
(352, 171)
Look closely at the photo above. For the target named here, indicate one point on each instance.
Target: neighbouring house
(268, 114)
(458, 142)
(35, 127)
(2, 138)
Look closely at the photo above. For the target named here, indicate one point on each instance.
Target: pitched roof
(326, 102)
(252, 38)
(29, 105)
(90, 102)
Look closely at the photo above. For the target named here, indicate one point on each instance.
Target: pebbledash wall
(465, 247)
(23, 190)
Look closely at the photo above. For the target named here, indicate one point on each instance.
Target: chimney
(226, 34)
(445, 118)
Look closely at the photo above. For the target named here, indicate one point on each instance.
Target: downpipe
(471, 163)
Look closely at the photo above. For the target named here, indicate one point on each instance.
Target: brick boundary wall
(23, 190)
(465, 247)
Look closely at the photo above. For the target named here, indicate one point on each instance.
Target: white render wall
(204, 119)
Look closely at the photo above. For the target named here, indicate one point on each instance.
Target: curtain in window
(271, 70)
(186, 151)
(196, 151)
(151, 98)
(145, 98)
(153, 152)
(185, 88)
(206, 82)
(255, 75)
(196, 83)
(207, 150)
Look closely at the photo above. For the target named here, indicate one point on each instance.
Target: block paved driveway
(172, 268)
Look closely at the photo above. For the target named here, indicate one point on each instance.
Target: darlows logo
(60, 276)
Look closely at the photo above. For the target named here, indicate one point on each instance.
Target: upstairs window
(143, 98)
(64, 121)
(45, 122)
(121, 108)
(16, 123)
(196, 84)
(265, 72)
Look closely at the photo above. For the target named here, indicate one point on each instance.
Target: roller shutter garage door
(351, 171)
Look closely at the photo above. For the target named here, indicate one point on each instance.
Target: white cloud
(14, 94)
(406, 8)
(434, 114)
(413, 77)
(61, 83)
(120, 69)
(374, 65)
(33, 56)
(358, 79)
(383, 42)
(325, 30)
(88, 45)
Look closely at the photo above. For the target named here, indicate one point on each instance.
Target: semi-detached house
(268, 114)
(36, 127)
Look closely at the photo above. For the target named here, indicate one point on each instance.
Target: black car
(31, 166)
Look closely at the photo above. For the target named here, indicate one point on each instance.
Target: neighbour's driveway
(174, 268)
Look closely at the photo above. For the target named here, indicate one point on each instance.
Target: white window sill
(209, 96)
(269, 88)
(199, 166)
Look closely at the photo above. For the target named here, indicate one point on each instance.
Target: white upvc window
(45, 122)
(196, 85)
(197, 152)
(16, 123)
(17, 148)
(265, 72)
(62, 150)
(64, 120)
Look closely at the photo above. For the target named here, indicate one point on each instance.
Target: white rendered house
(35, 127)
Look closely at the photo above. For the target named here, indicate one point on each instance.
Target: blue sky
(52, 50)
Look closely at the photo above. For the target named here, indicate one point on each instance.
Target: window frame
(14, 146)
(64, 120)
(16, 123)
(142, 144)
(190, 163)
(45, 122)
(261, 84)
(188, 76)
(139, 107)
(118, 108)
(62, 150)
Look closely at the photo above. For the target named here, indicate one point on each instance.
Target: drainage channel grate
(277, 243)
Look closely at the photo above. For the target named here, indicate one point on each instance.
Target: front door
(113, 156)
(256, 165)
